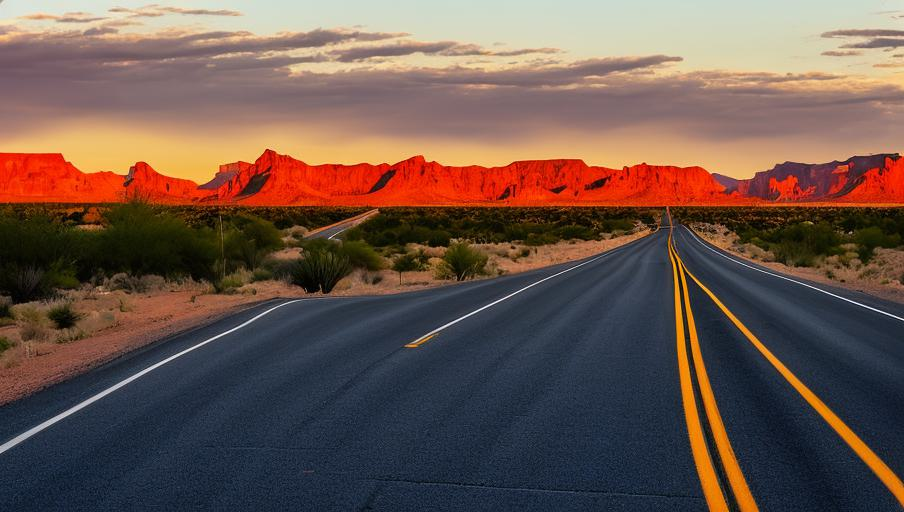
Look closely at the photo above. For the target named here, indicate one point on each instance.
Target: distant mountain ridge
(275, 180)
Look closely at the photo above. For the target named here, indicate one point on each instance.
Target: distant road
(334, 230)
(575, 387)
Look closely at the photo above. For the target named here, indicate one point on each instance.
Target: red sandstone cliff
(47, 177)
(144, 182)
(275, 179)
(280, 179)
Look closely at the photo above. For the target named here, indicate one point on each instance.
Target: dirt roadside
(116, 322)
(881, 277)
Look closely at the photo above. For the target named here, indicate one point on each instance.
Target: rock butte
(276, 180)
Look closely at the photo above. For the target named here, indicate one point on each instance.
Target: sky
(187, 85)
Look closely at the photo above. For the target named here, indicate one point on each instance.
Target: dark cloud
(842, 53)
(443, 48)
(69, 17)
(208, 80)
(156, 11)
(100, 31)
(863, 33)
(865, 39)
(879, 42)
(26, 50)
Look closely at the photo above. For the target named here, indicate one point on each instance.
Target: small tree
(407, 262)
(464, 261)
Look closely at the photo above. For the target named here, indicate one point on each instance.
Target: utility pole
(222, 249)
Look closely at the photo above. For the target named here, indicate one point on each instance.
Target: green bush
(868, 239)
(5, 344)
(464, 261)
(361, 255)
(36, 256)
(63, 316)
(280, 268)
(320, 270)
(5, 307)
(249, 239)
(261, 274)
(408, 262)
(139, 241)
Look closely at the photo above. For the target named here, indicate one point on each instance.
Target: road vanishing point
(665, 374)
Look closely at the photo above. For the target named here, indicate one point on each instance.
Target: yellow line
(420, 341)
(729, 461)
(705, 470)
(885, 474)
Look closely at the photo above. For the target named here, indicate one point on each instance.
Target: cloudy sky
(188, 85)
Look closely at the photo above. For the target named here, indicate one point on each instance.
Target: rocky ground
(116, 321)
(881, 277)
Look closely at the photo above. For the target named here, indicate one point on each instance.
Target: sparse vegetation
(438, 227)
(63, 316)
(800, 236)
(320, 270)
(464, 262)
(408, 262)
(5, 344)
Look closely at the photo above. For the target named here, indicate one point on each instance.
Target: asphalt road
(334, 230)
(566, 393)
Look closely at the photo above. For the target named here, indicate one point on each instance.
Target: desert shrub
(134, 284)
(320, 270)
(230, 282)
(868, 239)
(63, 316)
(250, 239)
(261, 274)
(5, 344)
(32, 324)
(6, 312)
(408, 262)
(573, 231)
(36, 256)
(140, 241)
(280, 268)
(536, 239)
(464, 262)
(361, 255)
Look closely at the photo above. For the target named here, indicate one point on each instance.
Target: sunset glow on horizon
(186, 87)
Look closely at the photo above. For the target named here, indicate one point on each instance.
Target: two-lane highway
(559, 389)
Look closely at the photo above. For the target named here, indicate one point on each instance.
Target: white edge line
(78, 407)
(337, 233)
(697, 238)
(516, 292)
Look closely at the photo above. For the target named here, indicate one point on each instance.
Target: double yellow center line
(715, 498)
(706, 470)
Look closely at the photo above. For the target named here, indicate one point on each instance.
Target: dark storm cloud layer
(216, 79)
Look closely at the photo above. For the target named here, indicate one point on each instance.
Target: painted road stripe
(736, 479)
(885, 474)
(337, 233)
(423, 339)
(706, 472)
(12, 443)
(698, 239)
